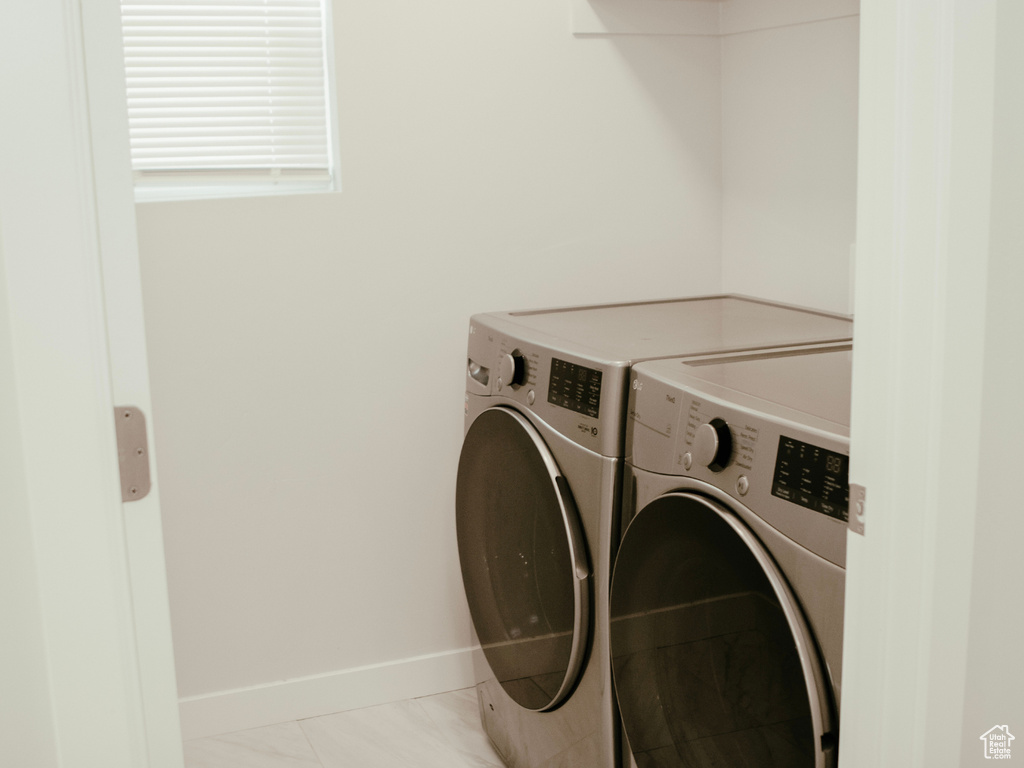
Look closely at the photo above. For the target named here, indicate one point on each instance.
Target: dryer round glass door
(712, 660)
(524, 565)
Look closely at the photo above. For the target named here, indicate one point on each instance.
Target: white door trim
(924, 195)
(122, 287)
(65, 502)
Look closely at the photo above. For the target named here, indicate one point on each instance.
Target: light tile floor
(441, 731)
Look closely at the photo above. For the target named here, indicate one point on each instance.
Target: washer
(538, 494)
(726, 607)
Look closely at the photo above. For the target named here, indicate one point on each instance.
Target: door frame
(94, 599)
(939, 190)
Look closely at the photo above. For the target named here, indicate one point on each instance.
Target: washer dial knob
(712, 447)
(512, 368)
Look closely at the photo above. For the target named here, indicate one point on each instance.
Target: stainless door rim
(577, 550)
(578, 553)
(570, 515)
(819, 698)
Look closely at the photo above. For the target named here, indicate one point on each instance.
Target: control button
(742, 485)
(687, 460)
(512, 368)
(712, 447)
(531, 396)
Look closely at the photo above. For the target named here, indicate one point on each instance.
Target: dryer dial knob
(712, 447)
(512, 368)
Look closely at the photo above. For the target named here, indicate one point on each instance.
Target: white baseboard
(237, 710)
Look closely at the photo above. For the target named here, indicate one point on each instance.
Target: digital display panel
(575, 387)
(812, 477)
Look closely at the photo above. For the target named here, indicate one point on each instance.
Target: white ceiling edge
(700, 17)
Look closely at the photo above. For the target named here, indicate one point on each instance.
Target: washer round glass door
(524, 565)
(712, 660)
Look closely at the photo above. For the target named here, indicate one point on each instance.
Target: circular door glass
(519, 548)
(711, 667)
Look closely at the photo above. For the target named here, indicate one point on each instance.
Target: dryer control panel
(575, 395)
(575, 387)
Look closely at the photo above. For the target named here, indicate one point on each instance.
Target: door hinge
(132, 452)
(858, 494)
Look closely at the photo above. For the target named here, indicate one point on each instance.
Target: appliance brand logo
(997, 742)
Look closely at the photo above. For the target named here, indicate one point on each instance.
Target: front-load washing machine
(726, 603)
(538, 494)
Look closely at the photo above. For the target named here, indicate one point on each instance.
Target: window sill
(169, 186)
(172, 193)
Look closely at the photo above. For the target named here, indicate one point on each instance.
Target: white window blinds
(227, 91)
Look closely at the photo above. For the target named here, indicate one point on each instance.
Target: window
(228, 97)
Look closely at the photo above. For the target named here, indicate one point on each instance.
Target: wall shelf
(699, 17)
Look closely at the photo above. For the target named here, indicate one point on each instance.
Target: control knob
(712, 447)
(512, 368)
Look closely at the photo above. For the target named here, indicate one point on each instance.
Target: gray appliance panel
(669, 401)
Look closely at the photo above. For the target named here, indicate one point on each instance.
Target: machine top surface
(809, 382)
(687, 326)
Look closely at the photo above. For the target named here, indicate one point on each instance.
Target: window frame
(160, 185)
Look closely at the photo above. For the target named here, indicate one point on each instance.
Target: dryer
(538, 493)
(726, 606)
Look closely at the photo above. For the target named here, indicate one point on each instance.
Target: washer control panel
(813, 477)
(718, 441)
(789, 467)
(742, 434)
(712, 445)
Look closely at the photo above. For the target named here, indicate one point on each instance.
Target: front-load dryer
(538, 494)
(726, 609)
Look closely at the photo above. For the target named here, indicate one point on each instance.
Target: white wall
(789, 157)
(307, 352)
